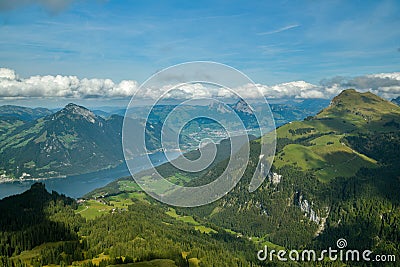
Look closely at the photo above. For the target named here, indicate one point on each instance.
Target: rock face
(274, 178)
(306, 207)
(322, 225)
(219, 107)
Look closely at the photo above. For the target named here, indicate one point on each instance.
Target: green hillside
(43, 229)
(320, 144)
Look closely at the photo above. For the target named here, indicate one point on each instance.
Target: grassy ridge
(319, 144)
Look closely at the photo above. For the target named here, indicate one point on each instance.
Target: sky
(105, 49)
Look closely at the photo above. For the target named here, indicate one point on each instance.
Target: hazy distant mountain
(242, 106)
(219, 107)
(102, 113)
(23, 113)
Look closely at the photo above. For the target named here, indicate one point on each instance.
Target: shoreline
(21, 180)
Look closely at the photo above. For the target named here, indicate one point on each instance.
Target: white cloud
(124, 88)
(62, 86)
(296, 89)
(7, 74)
(386, 85)
(291, 89)
(392, 76)
(178, 91)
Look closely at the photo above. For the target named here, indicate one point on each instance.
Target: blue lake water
(77, 185)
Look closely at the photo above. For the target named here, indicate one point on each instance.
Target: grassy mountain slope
(12, 117)
(320, 143)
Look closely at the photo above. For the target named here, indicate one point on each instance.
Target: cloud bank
(386, 85)
(62, 86)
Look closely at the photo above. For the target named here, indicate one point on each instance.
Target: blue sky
(271, 41)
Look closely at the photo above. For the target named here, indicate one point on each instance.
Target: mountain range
(23, 113)
(335, 176)
(72, 140)
(42, 143)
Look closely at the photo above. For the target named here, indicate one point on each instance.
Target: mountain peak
(72, 106)
(219, 107)
(359, 107)
(352, 98)
(75, 109)
(242, 106)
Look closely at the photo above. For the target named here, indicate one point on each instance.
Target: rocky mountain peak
(219, 107)
(74, 109)
(242, 106)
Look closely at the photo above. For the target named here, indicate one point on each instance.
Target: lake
(77, 185)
